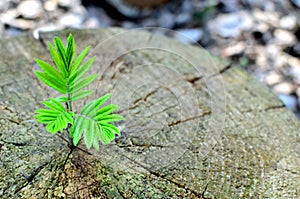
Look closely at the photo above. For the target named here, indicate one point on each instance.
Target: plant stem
(69, 106)
(71, 145)
(69, 103)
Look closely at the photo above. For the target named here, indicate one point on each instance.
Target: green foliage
(67, 76)
(94, 123)
(56, 117)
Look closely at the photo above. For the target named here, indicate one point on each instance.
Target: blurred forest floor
(261, 36)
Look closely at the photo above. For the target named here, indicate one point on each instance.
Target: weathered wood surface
(194, 128)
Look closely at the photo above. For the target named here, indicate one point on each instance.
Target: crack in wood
(193, 79)
(67, 158)
(162, 189)
(265, 109)
(7, 188)
(16, 143)
(29, 178)
(189, 119)
(222, 71)
(11, 111)
(85, 151)
(157, 174)
(146, 145)
(249, 90)
(78, 164)
(12, 120)
(226, 68)
(203, 192)
(136, 105)
(145, 98)
(275, 107)
(166, 109)
(65, 162)
(8, 109)
(120, 192)
(246, 110)
(60, 173)
(86, 187)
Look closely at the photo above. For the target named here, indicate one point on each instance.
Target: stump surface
(196, 126)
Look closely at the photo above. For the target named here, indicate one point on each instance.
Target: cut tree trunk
(196, 126)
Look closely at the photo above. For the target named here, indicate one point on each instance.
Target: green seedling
(67, 76)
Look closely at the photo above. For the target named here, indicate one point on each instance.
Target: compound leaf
(56, 117)
(93, 122)
(93, 127)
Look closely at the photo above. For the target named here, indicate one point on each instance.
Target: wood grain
(196, 126)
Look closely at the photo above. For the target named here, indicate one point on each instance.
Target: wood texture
(196, 126)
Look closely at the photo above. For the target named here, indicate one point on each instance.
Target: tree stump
(196, 126)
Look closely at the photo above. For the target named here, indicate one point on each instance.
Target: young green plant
(93, 122)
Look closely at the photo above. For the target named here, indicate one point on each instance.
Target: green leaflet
(94, 105)
(78, 129)
(95, 144)
(52, 82)
(70, 50)
(81, 94)
(58, 61)
(106, 136)
(79, 59)
(79, 72)
(50, 70)
(61, 51)
(61, 99)
(111, 128)
(82, 83)
(90, 133)
(110, 118)
(105, 111)
(53, 104)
